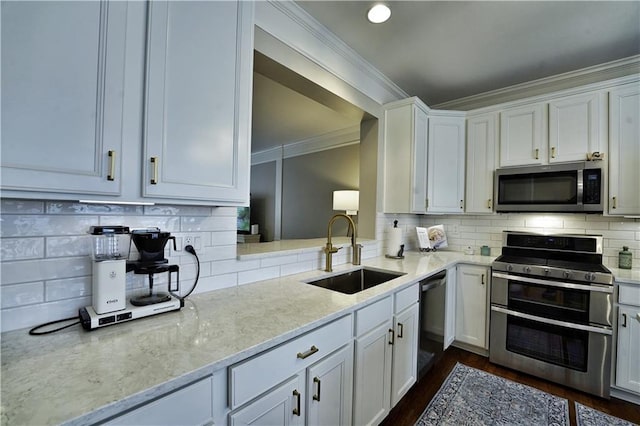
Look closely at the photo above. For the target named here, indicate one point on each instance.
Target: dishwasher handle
(433, 281)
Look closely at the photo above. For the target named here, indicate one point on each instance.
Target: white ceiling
(444, 50)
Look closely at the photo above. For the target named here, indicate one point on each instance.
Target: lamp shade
(346, 200)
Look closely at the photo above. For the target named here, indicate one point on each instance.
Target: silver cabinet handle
(296, 395)
(112, 165)
(615, 204)
(154, 163)
(462, 204)
(311, 351)
(553, 152)
(489, 204)
(316, 397)
(537, 153)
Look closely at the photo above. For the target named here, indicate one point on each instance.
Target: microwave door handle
(580, 184)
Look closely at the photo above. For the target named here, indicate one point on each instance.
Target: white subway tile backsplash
(22, 294)
(69, 246)
(21, 248)
(46, 271)
(44, 225)
(67, 288)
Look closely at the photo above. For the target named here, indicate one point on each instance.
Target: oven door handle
(573, 286)
(600, 330)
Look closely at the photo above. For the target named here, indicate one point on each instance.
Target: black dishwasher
(432, 321)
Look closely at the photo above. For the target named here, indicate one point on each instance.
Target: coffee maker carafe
(151, 244)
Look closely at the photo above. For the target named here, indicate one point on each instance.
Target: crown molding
(365, 78)
(336, 139)
(586, 76)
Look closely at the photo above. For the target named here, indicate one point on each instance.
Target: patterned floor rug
(474, 397)
(587, 416)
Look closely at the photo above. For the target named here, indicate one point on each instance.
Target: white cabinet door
(481, 162)
(522, 136)
(471, 305)
(446, 162)
(450, 308)
(405, 157)
(62, 96)
(628, 352)
(198, 100)
(624, 148)
(330, 389)
(405, 353)
(373, 375)
(282, 406)
(576, 127)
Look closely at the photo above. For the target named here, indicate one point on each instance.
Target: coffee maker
(151, 245)
(109, 304)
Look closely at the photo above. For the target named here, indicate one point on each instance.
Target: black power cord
(34, 331)
(191, 250)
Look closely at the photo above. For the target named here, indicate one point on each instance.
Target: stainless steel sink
(355, 281)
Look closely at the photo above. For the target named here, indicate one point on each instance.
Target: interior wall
(263, 199)
(308, 183)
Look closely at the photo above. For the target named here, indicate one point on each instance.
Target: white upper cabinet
(85, 113)
(577, 127)
(405, 157)
(481, 162)
(423, 159)
(523, 136)
(624, 147)
(198, 101)
(446, 162)
(62, 96)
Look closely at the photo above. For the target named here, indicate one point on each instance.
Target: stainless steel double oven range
(552, 309)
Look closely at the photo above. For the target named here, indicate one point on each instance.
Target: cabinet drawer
(373, 315)
(405, 298)
(629, 294)
(250, 378)
(192, 404)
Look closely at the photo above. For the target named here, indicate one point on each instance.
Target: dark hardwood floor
(409, 409)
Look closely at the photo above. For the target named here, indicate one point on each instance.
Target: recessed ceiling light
(378, 14)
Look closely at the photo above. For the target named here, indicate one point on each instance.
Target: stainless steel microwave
(569, 187)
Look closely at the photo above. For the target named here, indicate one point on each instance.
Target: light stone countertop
(629, 276)
(80, 377)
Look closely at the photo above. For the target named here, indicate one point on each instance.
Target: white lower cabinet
(386, 354)
(471, 305)
(628, 349)
(307, 380)
(190, 405)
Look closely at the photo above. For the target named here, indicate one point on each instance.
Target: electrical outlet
(188, 240)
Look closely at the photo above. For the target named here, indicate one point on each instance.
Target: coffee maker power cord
(34, 331)
(191, 250)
